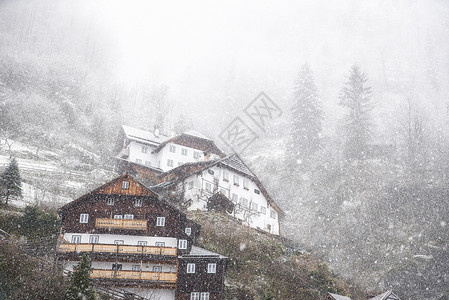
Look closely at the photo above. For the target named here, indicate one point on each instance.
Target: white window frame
(157, 269)
(172, 148)
(211, 172)
(190, 185)
(263, 210)
(184, 151)
(110, 201)
(138, 161)
(135, 267)
(254, 206)
(208, 187)
(190, 268)
(148, 163)
(196, 154)
(76, 239)
(272, 214)
(235, 198)
(142, 243)
(138, 202)
(257, 191)
(125, 185)
(182, 244)
(118, 217)
(188, 230)
(160, 221)
(245, 183)
(245, 202)
(170, 162)
(94, 239)
(194, 296)
(144, 149)
(84, 218)
(119, 242)
(159, 244)
(212, 268)
(128, 217)
(225, 175)
(204, 296)
(236, 180)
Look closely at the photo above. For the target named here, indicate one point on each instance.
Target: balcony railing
(134, 275)
(113, 248)
(121, 223)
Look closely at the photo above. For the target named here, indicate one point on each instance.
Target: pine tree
(10, 182)
(80, 287)
(307, 117)
(355, 96)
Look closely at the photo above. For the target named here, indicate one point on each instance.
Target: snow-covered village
(224, 150)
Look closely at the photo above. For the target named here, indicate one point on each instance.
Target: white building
(163, 153)
(232, 178)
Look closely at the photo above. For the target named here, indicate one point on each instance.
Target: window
(224, 192)
(138, 202)
(235, 198)
(93, 239)
(211, 172)
(128, 216)
(225, 176)
(211, 268)
(173, 148)
(157, 268)
(236, 180)
(76, 239)
(254, 206)
(125, 185)
(190, 268)
(170, 162)
(263, 210)
(160, 221)
(208, 187)
(118, 216)
(184, 151)
(117, 267)
(110, 201)
(119, 242)
(204, 296)
(142, 243)
(182, 244)
(138, 161)
(144, 149)
(245, 202)
(179, 164)
(256, 191)
(269, 227)
(148, 163)
(136, 267)
(272, 214)
(245, 183)
(190, 185)
(194, 296)
(188, 230)
(160, 244)
(196, 154)
(84, 218)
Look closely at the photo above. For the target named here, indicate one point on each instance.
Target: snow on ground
(33, 196)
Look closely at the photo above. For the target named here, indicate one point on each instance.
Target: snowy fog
(344, 105)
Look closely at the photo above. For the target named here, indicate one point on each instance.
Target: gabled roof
(143, 136)
(232, 162)
(386, 296)
(114, 187)
(339, 297)
(193, 140)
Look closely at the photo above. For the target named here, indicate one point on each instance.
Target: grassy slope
(259, 267)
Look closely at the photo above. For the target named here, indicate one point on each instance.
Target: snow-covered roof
(234, 162)
(386, 296)
(197, 134)
(339, 297)
(197, 251)
(144, 136)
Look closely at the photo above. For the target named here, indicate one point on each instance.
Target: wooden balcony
(113, 248)
(121, 223)
(134, 275)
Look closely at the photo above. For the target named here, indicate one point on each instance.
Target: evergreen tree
(355, 96)
(80, 287)
(307, 118)
(10, 182)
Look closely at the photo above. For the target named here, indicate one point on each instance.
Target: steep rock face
(261, 265)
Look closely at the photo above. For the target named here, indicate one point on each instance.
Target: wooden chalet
(138, 242)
